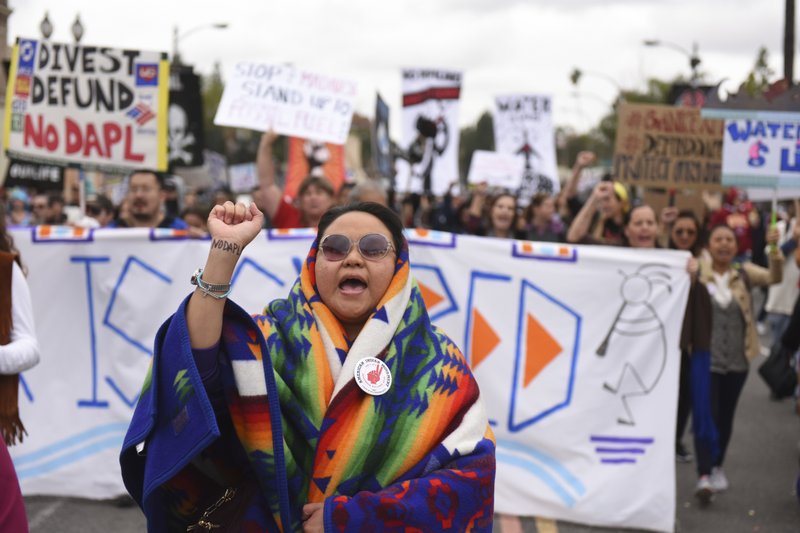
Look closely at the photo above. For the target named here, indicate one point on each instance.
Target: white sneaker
(718, 480)
(704, 491)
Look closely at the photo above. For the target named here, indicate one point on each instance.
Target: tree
(757, 81)
(477, 137)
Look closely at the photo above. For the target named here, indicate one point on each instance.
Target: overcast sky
(502, 46)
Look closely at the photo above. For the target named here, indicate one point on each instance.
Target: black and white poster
(185, 118)
(429, 159)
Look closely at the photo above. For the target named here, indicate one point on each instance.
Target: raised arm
(270, 194)
(570, 189)
(232, 227)
(580, 226)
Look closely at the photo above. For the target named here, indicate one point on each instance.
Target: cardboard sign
(496, 169)
(667, 147)
(523, 126)
(91, 105)
(290, 101)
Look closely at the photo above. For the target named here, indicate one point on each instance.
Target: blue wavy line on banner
(539, 472)
(96, 447)
(558, 468)
(69, 442)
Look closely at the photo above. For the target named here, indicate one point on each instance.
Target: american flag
(141, 113)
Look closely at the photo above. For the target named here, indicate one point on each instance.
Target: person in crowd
(447, 213)
(18, 209)
(313, 399)
(367, 191)
(543, 223)
(734, 340)
(781, 297)
(101, 208)
(315, 195)
(55, 209)
(600, 220)
(145, 203)
(737, 212)
(39, 208)
(19, 351)
(197, 219)
(492, 216)
(685, 234)
(568, 203)
(343, 194)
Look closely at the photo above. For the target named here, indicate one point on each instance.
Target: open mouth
(352, 286)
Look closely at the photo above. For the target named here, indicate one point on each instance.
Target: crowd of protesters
(734, 248)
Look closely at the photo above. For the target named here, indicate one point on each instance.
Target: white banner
(87, 104)
(523, 126)
(291, 101)
(575, 349)
(762, 152)
(429, 162)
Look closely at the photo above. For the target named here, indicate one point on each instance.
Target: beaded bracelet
(218, 291)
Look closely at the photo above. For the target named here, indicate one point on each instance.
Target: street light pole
(694, 62)
(176, 37)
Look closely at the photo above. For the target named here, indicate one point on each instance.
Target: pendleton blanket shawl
(418, 458)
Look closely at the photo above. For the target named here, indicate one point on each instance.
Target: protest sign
(428, 161)
(762, 151)
(381, 143)
(90, 105)
(667, 147)
(313, 158)
(496, 169)
(287, 100)
(523, 126)
(185, 125)
(243, 177)
(542, 325)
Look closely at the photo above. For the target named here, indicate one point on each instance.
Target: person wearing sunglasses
(341, 407)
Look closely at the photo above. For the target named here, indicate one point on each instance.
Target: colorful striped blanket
(418, 458)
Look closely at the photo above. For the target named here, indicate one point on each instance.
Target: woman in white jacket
(19, 351)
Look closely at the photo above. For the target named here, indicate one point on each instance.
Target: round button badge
(373, 376)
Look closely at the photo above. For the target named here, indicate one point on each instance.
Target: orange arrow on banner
(540, 349)
(484, 339)
(430, 297)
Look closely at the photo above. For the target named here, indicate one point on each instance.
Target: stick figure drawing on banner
(637, 318)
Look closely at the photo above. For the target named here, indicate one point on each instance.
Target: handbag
(778, 372)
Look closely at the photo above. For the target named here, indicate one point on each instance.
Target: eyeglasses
(93, 210)
(372, 246)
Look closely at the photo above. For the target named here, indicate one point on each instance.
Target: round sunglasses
(372, 246)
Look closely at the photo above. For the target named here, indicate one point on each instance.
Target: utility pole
(788, 43)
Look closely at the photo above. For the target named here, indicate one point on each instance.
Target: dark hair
(388, 217)
(102, 202)
(715, 227)
(161, 178)
(315, 181)
(699, 237)
(626, 218)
